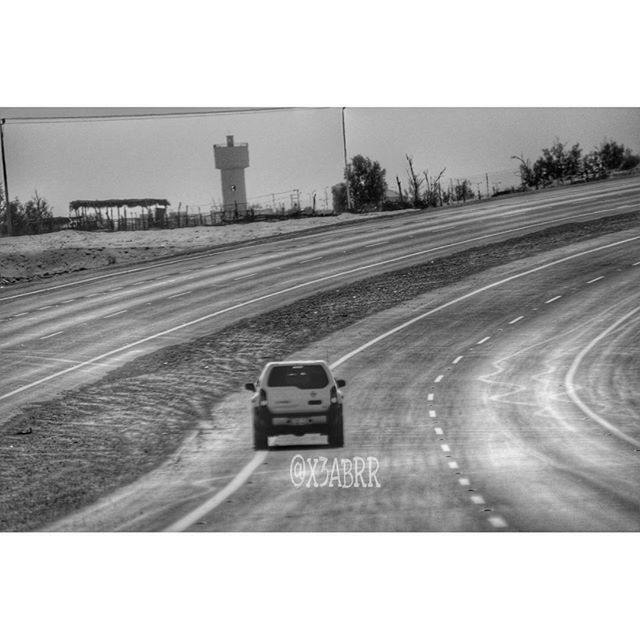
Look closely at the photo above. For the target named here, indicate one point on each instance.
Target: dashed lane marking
(430, 397)
(484, 340)
(445, 448)
(177, 295)
(453, 465)
(432, 413)
(43, 308)
(553, 299)
(516, 320)
(457, 360)
(635, 264)
(477, 499)
(117, 313)
(310, 260)
(375, 244)
(439, 431)
(438, 378)
(464, 482)
(595, 280)
(498, 522)
(24, 313)
(247, 276)
(57, 333)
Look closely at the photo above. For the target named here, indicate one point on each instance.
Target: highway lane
(56, 336)
(465, 409)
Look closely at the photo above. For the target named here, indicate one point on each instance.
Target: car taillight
(334, 395)
(263, 398)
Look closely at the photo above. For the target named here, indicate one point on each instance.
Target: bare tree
(415, 183)
(433, 191)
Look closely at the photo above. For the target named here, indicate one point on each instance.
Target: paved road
(505, 402)
(56, 336)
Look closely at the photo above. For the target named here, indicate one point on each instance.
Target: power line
(122, 117)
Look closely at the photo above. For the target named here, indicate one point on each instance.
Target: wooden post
(4, 175)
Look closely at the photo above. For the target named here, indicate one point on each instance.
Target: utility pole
(4, 176)
(346, 164)
(486, 175)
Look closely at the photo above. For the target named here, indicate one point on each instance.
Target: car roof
(288, 363)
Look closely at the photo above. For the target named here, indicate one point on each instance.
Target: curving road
(505, 402)
(53, 337)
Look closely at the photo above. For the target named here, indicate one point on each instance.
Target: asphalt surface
(505, 402)
(56, 336)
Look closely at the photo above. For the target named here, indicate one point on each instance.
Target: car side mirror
(250, 386)
(341, 383)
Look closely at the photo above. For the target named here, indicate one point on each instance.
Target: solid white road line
(117, 313)
(457, 360)
(553, 299)
(193, 516)
(438, 378)
(516, 320)
(595, 280)
(57, 333)
(484, 340)
(571, 387)
(234, 485)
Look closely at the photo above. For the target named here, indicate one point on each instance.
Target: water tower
(232, 160)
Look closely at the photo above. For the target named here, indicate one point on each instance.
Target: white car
(297, 397)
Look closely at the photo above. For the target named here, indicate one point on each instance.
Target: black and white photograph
(311, 324)
(273, 323)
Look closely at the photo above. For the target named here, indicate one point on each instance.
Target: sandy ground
(25, 258)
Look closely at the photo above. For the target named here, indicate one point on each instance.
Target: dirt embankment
(26, 258)
(60, 455)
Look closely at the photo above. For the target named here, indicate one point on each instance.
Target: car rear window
(303, 376)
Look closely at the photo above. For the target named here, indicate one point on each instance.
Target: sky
(300, 148)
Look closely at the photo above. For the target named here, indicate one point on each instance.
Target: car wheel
(260, 434)
(336, 430)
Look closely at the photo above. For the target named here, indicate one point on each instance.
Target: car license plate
(298, 422)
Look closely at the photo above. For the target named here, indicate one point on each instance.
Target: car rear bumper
(297, 423)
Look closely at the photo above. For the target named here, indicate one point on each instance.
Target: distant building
(391, 195)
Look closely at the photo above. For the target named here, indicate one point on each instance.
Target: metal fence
(160, 220)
